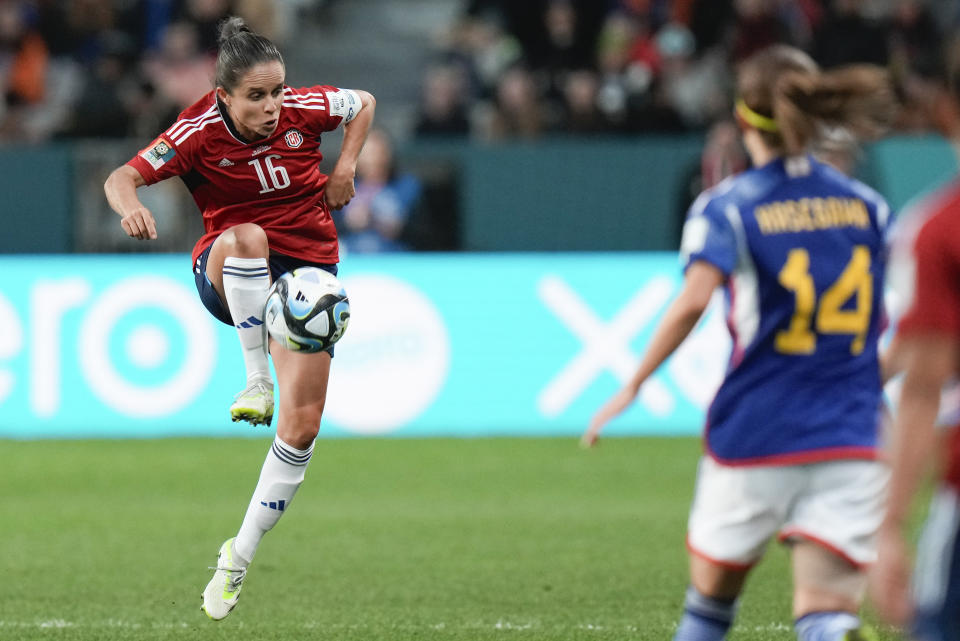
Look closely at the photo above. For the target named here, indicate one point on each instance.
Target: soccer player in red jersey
(249, 153)
(928, 348)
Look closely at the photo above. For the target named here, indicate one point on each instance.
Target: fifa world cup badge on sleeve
(158, 153)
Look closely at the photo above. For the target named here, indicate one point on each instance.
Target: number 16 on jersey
(272, 177)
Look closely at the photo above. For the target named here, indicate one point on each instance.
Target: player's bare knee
(716, 581)
(309, 432)
(245, 240)
(718, 588)
(300, 424)
(825, 581)
(296, 436)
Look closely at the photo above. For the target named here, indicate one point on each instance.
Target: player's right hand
(890, 578)
(139, 224)
(619, 402)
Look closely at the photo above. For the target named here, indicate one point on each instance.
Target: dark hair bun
(239, 50)
(231, 27)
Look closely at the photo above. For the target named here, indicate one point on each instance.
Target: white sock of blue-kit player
(705, 618)
(825, 626)
(246, 282)
(282, 474)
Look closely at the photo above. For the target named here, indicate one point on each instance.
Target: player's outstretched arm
(121, 190)
(340, 188)
(929, 364)
(891, 360)
(681, 317)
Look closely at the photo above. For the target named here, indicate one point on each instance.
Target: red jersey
(935, 306)
(274, 182)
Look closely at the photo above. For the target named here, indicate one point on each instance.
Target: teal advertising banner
(438, 345)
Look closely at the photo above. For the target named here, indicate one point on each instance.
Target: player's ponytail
(240, 49)
(794, 106)
(856, 98)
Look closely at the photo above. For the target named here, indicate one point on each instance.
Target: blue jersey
(802, 247)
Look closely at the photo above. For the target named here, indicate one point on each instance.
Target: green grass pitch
(500, 539)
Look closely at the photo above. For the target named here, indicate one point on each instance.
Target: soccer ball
(307, 310)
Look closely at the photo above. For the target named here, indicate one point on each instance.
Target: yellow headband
(755, 120)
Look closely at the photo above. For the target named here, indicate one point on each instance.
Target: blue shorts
(936, 586)
(279, 265)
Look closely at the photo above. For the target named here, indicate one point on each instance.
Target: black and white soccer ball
(307, 310)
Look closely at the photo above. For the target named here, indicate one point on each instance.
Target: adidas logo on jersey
(225, 163)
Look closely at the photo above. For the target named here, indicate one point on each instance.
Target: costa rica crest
(293, 138)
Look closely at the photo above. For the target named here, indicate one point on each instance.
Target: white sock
(280, 477)
(245, 283)
(825, 626)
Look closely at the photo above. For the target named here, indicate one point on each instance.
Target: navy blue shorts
(279, 265)
(936, 586)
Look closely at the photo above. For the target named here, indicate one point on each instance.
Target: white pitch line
(500, 624)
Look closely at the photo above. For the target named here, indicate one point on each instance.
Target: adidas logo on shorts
(225, 163)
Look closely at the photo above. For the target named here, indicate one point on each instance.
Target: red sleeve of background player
(936, 298)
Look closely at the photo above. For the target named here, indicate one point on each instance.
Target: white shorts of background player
(835, 504)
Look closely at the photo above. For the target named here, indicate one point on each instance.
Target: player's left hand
(139, 224)
(619, 402)
(340, 190)
(890, 578)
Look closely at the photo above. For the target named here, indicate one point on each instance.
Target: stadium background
(553, 147)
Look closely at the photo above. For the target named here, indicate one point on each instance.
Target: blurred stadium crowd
(114, 68)
(481, 71)
(525, 69)
(500, 70)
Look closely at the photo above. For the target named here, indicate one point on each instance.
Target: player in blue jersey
(791, 437)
